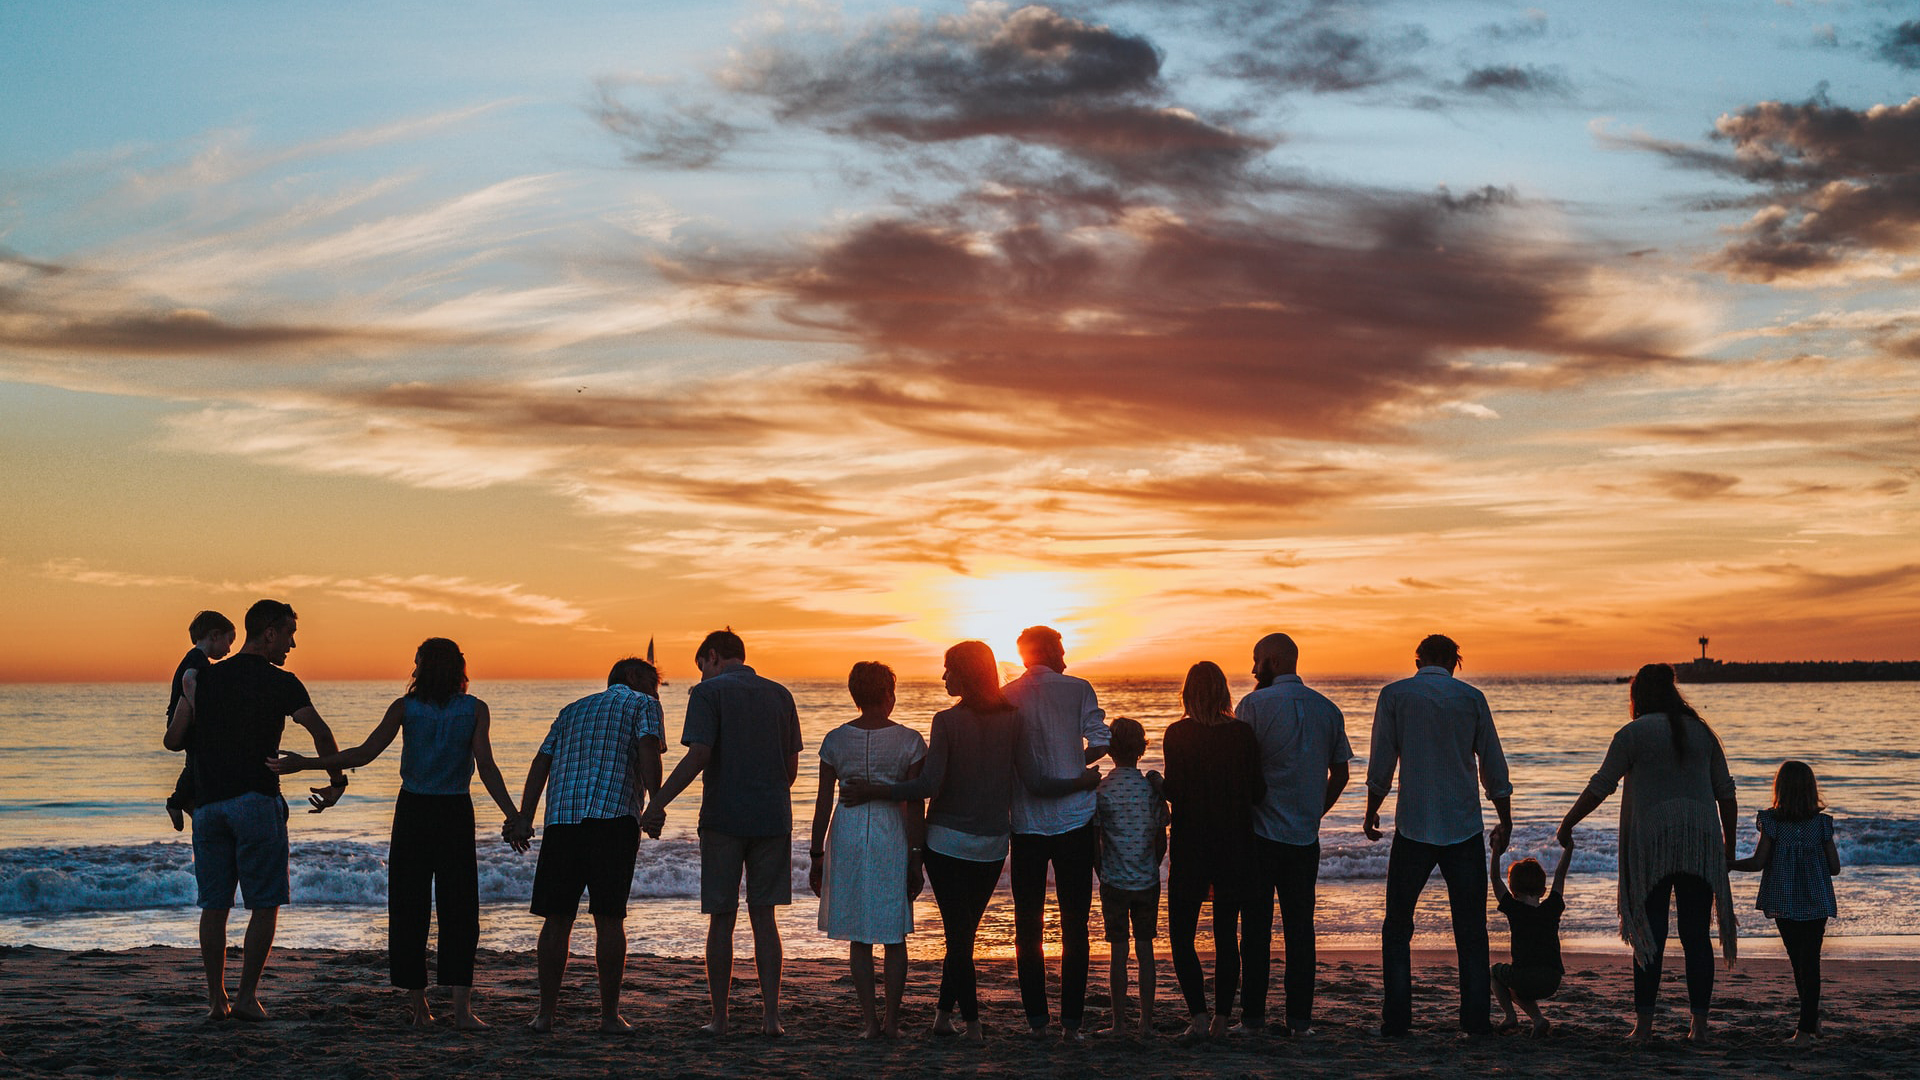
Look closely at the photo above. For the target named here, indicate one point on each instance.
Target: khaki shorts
(767, 862)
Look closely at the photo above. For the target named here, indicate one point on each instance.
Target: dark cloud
(514, 410)
(172, 333)
(1509, 80)
(1900, 45)
(666, 134)
(1800, 583)
(1318, 47)
(1170, 326)
(1245, 496)
(1530, 26)
(1840, 184)
(1033, 76)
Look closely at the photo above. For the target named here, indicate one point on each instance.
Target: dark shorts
(1528, 983)
(596, 855)
(766, 861)
(243, 841)
(1139, 908)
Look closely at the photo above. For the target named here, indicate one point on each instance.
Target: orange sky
(862, 331)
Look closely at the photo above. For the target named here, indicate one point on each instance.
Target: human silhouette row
(1006, 780)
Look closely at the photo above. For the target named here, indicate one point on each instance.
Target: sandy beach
(139, 1013)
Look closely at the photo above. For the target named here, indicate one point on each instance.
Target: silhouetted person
(431, 863)
(743, 733)
(1434, 728)
(230, 721)
(1677, 819)
(1303, 757)
(1064, 731)
(598, 762)
(212, 637)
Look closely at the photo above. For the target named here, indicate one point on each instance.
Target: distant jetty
(1705, 669)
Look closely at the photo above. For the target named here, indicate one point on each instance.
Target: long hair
(974, 670)
(1654, 691)
(1205, 696)
(440, 672)
(1796, 794)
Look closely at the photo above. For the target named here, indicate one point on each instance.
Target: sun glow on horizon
(1089, 609)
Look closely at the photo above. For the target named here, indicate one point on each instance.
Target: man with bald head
(1303, 755)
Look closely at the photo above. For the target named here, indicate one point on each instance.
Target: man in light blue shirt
(1434, 728)
(1063, 731)
(1303, 755)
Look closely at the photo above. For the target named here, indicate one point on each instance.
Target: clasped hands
(318, 798)
(518, 833)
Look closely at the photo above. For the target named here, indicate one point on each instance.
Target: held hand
(323, 797)
(288, 762)
(1564, 835)
(916, 876)
(1090, 779)
(855, 792)
(518, 833)
(1497, 840)
(653, 820)
(1371, 826)
(814, 874)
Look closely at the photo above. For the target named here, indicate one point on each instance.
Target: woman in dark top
(431, 859)
(1213, 783)
(968, 776)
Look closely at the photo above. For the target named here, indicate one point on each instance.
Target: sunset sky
(1574, 330)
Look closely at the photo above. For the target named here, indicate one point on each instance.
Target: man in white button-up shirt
(1303, 755)
(1064, 731)
(1434, 728)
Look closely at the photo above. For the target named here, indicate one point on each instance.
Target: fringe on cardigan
(1653, 853)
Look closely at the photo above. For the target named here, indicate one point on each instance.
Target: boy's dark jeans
(1464, 865)
(1071, 854)
(1292, 871)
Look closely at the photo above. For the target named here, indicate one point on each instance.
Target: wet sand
(140, 1013)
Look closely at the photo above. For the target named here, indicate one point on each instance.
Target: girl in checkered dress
(1797, 859)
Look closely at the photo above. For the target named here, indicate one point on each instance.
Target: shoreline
(141, 1012)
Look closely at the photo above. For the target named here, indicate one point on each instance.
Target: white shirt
(1062, 721)
(1433, 726)
(1301, 734)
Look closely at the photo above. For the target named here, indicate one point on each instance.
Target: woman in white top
(866, 858)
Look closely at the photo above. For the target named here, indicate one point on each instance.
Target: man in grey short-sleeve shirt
(743, 734)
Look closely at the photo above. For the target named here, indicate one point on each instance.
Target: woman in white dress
(866, 858)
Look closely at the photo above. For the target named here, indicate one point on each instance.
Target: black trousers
(431, 863)
(961, 889)
(1291, 871)
(1187, 888)
(1803, 938)
(1464, 866)
(1071, 856)
(1694, 897)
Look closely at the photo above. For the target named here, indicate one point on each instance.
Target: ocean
(90, 862)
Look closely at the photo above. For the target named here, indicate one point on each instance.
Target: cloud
(1800, 583)
(1032, 77)
(1530, 26)
(182, 331)
(1900, 45)
(666, 134)
(1344, 322)
(418, 592)
(1841, 187)
(1684, 484)
(1316, 47)
(1508, 80)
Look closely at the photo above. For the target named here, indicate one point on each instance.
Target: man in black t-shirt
(230, 719)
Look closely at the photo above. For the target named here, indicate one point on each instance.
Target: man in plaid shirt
(602, 753)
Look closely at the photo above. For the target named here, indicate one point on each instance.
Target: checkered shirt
(594, 744)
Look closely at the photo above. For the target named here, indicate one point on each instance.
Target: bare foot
(1197, 1028)
(1508, 1026)
(419, 1014)
(249, 1010)
(943, 1023)
(1071, 1036)
(871, 1031)
(1697, 1032)
(1145, 1032)
(714, 1027)
(1541, 1027)
(218, 1011)
(976, 1033)
(1219, 1027)
(1642, 1032)
(615, 1025)
(468, 1022)
(541, 1023)
(1803, 1038)
(771, 1028)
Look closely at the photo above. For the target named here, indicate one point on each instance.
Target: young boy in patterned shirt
(1131, 815)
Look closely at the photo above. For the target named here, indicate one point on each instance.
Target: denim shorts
(241, 841)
